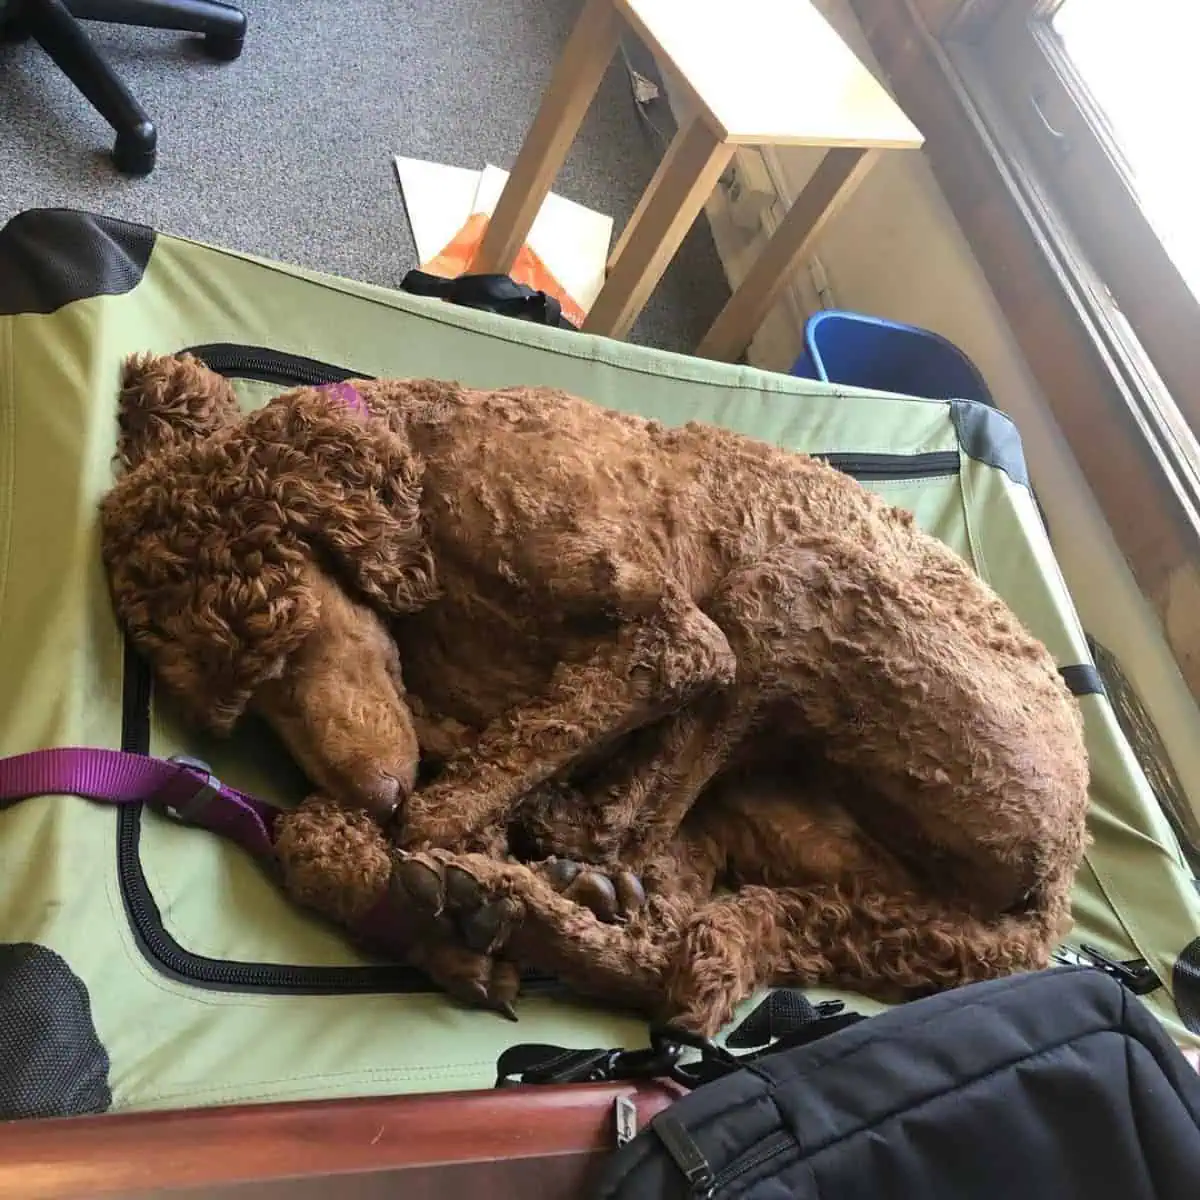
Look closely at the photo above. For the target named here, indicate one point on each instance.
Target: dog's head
(255, 559)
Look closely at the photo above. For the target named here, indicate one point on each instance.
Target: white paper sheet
(438, 198)
(570, 239)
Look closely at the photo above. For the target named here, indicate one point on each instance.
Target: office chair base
(56, 26)
(135, 150)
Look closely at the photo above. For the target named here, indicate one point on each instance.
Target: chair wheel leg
(135, 151)
(227, 45)
(223, 47)
(13, 31)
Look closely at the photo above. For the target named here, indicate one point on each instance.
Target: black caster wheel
(134, 153)
(222, 47)
(227, 46)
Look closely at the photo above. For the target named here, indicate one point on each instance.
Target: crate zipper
(265, 365)
(270, 366)
(866, 468)
(294, 370)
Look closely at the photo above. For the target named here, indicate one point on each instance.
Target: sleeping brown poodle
(675, 651)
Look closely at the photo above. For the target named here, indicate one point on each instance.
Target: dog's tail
(890, 946)
(167, 399)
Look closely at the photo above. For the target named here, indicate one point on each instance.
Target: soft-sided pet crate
(203, 984)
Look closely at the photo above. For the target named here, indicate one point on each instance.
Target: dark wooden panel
(965, 17)
(1083, 165)
(540, 1142)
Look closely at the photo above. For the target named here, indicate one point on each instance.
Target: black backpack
(1056, 1085)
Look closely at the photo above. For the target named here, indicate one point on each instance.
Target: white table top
(771, 72)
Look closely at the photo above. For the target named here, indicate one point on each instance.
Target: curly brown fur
(600, 575)
(857, 915)
(338, 862)
(334, 860)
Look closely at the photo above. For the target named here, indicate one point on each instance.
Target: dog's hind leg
(913, 677)
(630, 806)
(846, 935)
(916, 681)
(819, 901)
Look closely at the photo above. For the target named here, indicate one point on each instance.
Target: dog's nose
(382, 799)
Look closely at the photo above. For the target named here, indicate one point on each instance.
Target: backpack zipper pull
(688, 1157)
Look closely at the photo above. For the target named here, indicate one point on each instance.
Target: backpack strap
(783, 1013)
(181, 788)
(783, 1020)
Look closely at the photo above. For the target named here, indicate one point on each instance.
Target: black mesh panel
(51, 1061)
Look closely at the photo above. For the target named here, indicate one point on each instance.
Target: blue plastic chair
(869, 352)
(862, 351)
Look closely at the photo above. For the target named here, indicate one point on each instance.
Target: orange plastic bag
(456, 256)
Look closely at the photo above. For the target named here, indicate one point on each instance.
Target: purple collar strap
(181, 788)
(347, 394)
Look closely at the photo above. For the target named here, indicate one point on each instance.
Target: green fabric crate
(206, 985)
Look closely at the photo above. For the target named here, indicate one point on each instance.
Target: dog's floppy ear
(209, 543)
(216, 603)
(166, 400)
(354, 495)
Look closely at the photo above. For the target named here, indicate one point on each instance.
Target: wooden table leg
(573, 86)
(665, 165)
(832, 184)
(683, 182)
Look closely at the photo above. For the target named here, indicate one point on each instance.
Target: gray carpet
(288, 152)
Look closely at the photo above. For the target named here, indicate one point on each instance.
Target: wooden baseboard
(506, 1144)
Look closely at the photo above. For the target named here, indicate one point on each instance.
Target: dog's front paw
(476, 980)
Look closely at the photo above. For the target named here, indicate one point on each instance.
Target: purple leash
(181, 788)
(185, 790)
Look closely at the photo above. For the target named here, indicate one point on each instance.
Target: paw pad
(609, 896)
